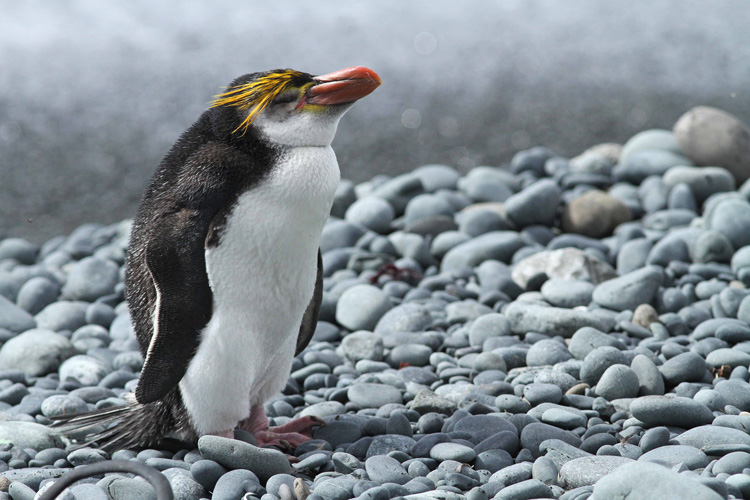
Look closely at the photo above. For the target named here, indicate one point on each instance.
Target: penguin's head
(291, 108)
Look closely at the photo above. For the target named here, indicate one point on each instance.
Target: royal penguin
(224, 272)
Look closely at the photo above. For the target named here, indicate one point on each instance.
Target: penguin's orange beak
(343, 86)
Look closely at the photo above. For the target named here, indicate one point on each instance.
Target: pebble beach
(554, 328)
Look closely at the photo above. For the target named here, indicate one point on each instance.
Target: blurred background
(93, 93)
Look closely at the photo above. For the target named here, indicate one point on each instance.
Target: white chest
(262, 276)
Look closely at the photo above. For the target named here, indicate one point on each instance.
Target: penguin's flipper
(175, 257)
(310, 318)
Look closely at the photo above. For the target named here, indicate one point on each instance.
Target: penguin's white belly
(262, 274)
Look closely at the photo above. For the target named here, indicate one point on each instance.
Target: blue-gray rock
(427, 401)
(452, 451)
(741, 259)
(732, 219)
(35, 352)
(123, 488)
(547, 352)
(726, 356)
(409, 355)
(536, 393)
(712, 435)
(384, 444)
(736, 392)
(483, 426)
(531, 488)
(645, 481)
(444, 242)
(531, 160)
(340, 234)
(650, 380)
(343, 198)
(407, 317)
(732, 463)
(234, 454)
(19, 250)
(14, 318)
(435, 177)
(362, 345)
(711, 136)
(703, 181)
(551, 321)
(617, 382)
(675, 411)
(685, 367)
(233, 484)
(567, 293)
(373, 395)
(91, 278)
(476, 220)
(672, 455)
(497, 245)
(207, 473)
(597, 361)
(587, 339)
(681, 197)
(371, 212)
(712, 246)
(629, 291)
(650, 139)
(639, 165)
(338, 432)
(587, 471)
(29, 435)
(85, 456)
(654, 438)
(361, 307)
(427, 205)
(399, 190)
(85, 369)
(36, 294)
(537, 204)
(60, 404)
(62, 315)
(384, 469)
(88, 492)
(563, 418)
(535, 433)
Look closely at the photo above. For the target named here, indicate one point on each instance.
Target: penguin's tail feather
(134, 425)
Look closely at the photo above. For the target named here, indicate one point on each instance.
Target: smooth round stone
(535, 433)
(465, 310)
(654, 438)
(736, 392)
(639, 165)
(536, 393)
(629, 291)
(373, 395)
(235, 454)
(547, 352)
(13, 318)
(587, 471)
(483, 426)
(561, 379)
(19, 250)
(567, 293)
(512, 404)
(361, 307)
(480, 221)
(531, 488)
(644, 481)
(399, 190)
(617, 382)
(633, 255)
(726, 356)
(489, 361)
(587, 339)
(35, 352)
(741, 259)
(713, 400)
(362, 345)
(37, 293)
(532, 160)
(732, 219)
(711, 136)
(650, 380)
(496, 245)
(340, 234)
(234, 484)
(452, 451)
(595, 214)
(703, 181)
(446, 241)
(712, 246)
(57, 405)
(62, 315)
(732, 463)
(371, 212)
(686, 367)
(597, 361)
(434, 177)
(91, 278)
(343, 198)
(407, 317)
(671, 455)
(671, 411)
(207, 473)
(650, 139)
(323, 409)
(545, 470)
(681, 197)
(537, 204)
(122, 488)
(427, 205)
(563, 419)
(551, 321)
(712, 435)
(84, 369)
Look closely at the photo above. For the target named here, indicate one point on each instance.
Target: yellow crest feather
(256, 95)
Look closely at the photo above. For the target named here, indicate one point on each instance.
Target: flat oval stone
(676, 411)
(373, 395)
(645, 481)
(671, 455)
(712, 435)
(234, 454)
(452, 451)
(586, 471)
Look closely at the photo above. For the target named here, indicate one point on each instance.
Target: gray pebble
(618, 381)
(37, 293)
(547, 352)
(235, 454)
(91, 278)
(35, 352)
(361, 307)
(232, 485)
(373, 395)
(371, 212)
(384, 469)
(629, 291)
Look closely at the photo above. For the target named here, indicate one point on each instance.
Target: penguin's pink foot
(286, 437)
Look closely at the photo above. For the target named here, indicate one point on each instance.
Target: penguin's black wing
(310, 318)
